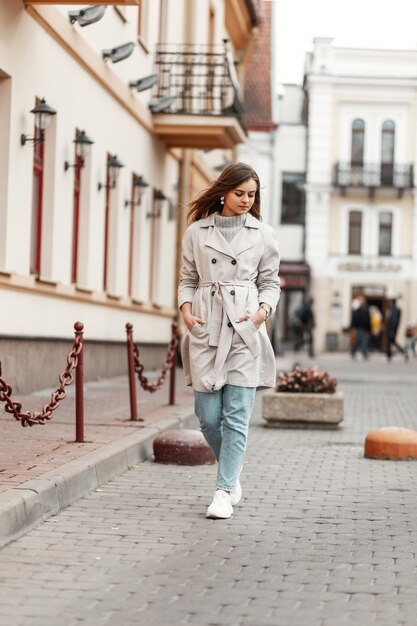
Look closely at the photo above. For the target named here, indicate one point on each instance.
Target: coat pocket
(253, 327)
(198, 329)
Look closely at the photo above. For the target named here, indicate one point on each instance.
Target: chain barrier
(167, 365)
(66, 378)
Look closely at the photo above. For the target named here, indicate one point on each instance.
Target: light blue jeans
(224, 421)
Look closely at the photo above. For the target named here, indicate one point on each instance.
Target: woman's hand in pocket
(192, 321)
(256, 318)
(189, 319)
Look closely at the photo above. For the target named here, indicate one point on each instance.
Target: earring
(222, 200)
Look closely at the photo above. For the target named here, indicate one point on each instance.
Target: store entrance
(377, 304)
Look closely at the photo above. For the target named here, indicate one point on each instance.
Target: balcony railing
(196, 80)
(374, 176)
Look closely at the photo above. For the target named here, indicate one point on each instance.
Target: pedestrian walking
(376, 327)
(306, 323)
(229, 287)
(410, 341)
(361, 327)
(393, 321)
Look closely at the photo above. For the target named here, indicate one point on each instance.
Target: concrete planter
(303, 410)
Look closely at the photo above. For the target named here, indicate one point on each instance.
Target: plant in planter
(304, 397)
(306, 380)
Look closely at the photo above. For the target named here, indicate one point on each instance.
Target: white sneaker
(221, 507)
(236, 494)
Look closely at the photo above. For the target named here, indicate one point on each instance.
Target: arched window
(358, 142)
(385, 233)
(387, 152)
(355, 232)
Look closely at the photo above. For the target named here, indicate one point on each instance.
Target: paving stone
(323, 536)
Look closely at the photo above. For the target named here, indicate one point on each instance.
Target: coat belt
(224, 310)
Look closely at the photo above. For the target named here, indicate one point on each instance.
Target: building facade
(361, 210)
(111, 117)
(345, 158)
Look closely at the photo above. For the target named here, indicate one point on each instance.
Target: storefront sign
(358, 266)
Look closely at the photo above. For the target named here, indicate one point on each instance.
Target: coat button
(234, 262)
(212, 293)
(232, 293)
(213, 261)
(230, 324)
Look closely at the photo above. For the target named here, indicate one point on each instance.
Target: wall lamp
(43, 113)
(113, 168)
(161, 105)
(143, 83)
(87, 16)
(139, 185)
(120, 53)
(158, 200)
(82, 141)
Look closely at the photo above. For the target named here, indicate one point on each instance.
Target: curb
(24, 506)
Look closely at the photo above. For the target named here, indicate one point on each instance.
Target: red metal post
(173, 371)
(79, 386)
(131, 373)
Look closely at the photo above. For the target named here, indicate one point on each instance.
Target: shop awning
(294, 274)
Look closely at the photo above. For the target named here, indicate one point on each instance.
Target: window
(358, 142)
(76, 212)
(211, 39)
(5, 108)
(293, 198)
(106, 225)
(387, 152)
(135, 202)
(355, 232)
(37, 197)
(385, 233)
(155, 252)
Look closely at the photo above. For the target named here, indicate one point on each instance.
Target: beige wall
(43, 55)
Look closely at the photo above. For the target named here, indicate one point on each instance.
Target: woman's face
(240, 200)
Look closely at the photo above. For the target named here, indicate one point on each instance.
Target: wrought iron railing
(196, 80)
(374, 175)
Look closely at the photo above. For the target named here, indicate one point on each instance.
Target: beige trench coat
(223, 282)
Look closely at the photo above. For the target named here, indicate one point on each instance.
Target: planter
(303, 410)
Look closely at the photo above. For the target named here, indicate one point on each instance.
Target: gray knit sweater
(229, 226)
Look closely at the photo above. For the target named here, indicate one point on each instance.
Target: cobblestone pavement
(324, 537)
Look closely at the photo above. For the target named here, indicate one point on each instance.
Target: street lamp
(82, 141)
(43, 114)
(113, 167)
(158, 200)
(139, 185)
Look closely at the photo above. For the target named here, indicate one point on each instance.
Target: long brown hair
(208, 201)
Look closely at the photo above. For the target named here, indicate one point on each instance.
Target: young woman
(229, 286)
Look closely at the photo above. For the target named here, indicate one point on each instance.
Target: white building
(95, 237)
(361, 210)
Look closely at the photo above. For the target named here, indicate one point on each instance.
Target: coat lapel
(216, 241)
(214, 238)
(246, 237)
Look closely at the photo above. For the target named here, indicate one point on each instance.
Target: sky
(352, 23)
